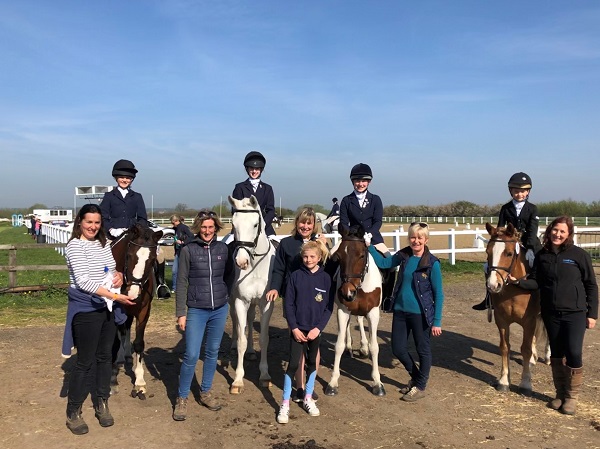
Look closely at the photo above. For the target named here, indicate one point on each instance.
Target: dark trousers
(565, 333)
(94, 334)
(310, 350)
(403, 324)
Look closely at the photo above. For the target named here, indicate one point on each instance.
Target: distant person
(90, 325)
(335, 209)
(254, 164)
(418, 302)
(365, 209)
(201, 307)
(564, 274)
(523, 215)
(182, 236)
(32, 222)
(308, 305)
(38, 226)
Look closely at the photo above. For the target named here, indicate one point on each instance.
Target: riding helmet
(254, 159)
(361, 171)
(334, 199)
(520, 181)
(123, 167)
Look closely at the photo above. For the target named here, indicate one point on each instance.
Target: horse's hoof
(114, 389)
(361, 355)
(265, 383)
(138, 394)
(331, 391)
(250, 356)
(234, 389)
(502, 388)
(378, 390)
(526, 392)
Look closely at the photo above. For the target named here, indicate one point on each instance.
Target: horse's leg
(266, 309)
(373, 318)
(542, 336)
(250, 353)
(343, 318)
(233, 316)
(363, 351)
(139, 387)
(503, 383)
(241, 311)
(525, 387)
(348, 341)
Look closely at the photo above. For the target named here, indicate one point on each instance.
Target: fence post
(12, 262)
(575, 235)
(452, 246)
(397, 238)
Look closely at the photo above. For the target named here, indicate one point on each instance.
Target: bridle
(349, 278)
(250, 247)
(130, 280)
(508, 269)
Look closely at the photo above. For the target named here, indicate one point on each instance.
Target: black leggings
(565, 333)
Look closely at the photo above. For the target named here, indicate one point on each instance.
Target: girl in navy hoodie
(308, 306)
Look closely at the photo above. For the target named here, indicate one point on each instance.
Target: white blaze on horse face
(143, 254)
(493, 282)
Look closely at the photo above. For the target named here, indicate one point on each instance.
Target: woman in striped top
(90, 324)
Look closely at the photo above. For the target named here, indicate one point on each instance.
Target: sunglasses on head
(421, 224)
(207, 214)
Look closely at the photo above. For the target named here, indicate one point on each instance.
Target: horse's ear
(231, 200)
(254, 202)
(342, 230)
(156, 236)
(490, 228)
(510, 229)
(360, 232)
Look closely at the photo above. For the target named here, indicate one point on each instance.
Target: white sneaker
(284, 414)
(311, 408)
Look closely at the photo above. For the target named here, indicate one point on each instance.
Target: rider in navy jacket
(254, 163)
(123, 212)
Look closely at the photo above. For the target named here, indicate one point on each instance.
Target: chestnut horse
(512, 304)
(358, 293)
(135, 256)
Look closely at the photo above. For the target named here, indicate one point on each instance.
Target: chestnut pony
(512, 304)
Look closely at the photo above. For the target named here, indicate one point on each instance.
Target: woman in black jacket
(565, 277)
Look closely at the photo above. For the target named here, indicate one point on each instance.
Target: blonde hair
(419, 229)
(305, 215)
(319, 247)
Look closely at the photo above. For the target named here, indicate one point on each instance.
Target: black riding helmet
(520, 181)
(123, 167)
(361, 171)
(334, 199)
(254, 159)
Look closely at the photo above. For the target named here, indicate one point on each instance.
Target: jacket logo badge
(319, 297)
(424, 275)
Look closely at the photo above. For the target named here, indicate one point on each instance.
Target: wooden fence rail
(13, 268)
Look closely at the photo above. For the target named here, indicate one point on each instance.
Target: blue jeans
(198, 321)
(174, 271)
(402, 325)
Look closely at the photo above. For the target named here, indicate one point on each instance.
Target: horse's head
(248, 226)
(137, 252)
(352, 255)
(503, 256)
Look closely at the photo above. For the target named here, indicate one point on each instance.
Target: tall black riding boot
(162, 290)
(389, 278)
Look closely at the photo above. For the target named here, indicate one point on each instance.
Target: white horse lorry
(57, 217)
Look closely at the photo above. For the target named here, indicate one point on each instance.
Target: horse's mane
(508, 231)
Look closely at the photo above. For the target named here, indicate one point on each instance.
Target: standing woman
(203, 264)
(254, 163)
(565, 277)
(90, 325)
(287, 260)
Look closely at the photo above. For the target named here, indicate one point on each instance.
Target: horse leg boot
(573, 382)
(75, 421)
(103, 413)
(559, 377)
(162, 292)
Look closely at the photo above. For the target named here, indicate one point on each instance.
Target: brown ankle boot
(559, 378)
(103, 413)
(209, 401)
(573, 382)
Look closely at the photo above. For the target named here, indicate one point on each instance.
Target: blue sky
(444, 99)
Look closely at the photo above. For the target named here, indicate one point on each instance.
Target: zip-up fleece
(566, 281)
(200, 279)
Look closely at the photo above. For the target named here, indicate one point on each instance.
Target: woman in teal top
(418, 302)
